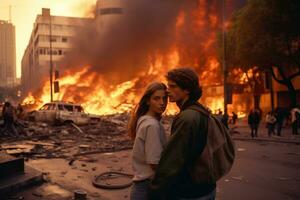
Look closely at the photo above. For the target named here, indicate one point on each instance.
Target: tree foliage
(266, 34)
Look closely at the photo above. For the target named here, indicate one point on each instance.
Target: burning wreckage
(65, 142)
(59, 136)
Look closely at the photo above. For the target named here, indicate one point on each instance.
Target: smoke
(120, 51)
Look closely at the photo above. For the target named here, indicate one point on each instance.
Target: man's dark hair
(186, 79)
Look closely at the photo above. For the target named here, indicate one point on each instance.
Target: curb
(266, 140)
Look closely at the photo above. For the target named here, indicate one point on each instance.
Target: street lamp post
(224, 55)
(51, 66)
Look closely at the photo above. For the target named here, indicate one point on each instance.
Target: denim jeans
(210, 196)
(139, 190)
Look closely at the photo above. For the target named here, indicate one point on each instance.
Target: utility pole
(269, 83)
(51, 64)
(224, 55)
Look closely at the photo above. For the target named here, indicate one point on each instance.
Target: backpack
(218, 155)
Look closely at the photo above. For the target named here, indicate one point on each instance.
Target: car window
(78, 109)
(45, 107)
(68, 108)
(54, 107)
(60, 107)
(51, 107)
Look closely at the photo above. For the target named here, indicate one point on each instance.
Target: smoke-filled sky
(149, 28)
(153, 16)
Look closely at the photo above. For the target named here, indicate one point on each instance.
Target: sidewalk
(241, 131)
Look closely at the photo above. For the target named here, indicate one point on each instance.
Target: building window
(36, 41)
(68, 27)
(44, 26)
(42, 38)
(116, 10)
(57, 27)
(59, 52)
(106, 11)
(64, 39)
(53, 39)
(54, 52)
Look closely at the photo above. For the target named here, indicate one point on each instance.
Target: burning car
(64, 112)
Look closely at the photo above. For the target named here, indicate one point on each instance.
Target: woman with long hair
(149, 137)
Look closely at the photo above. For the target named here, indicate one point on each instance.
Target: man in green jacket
(177, 174)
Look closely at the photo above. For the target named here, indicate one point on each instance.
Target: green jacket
(173, 177)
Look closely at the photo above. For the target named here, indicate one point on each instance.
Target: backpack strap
(200, 108)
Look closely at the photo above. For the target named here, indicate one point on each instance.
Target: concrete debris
(41, 140)
(77, 128)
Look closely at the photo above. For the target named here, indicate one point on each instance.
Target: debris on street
(41, 140)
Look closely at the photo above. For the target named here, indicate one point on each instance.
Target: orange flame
(99, 97)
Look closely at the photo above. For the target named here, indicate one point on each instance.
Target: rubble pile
(41, 140)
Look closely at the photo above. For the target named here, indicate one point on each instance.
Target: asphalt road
(263, 171)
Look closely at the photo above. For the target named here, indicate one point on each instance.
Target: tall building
(7, 54)
(36, 58)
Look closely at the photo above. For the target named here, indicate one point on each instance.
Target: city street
(262, 170)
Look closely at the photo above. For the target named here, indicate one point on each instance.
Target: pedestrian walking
(253, 121)
(295, 118)
(270, 120)
(280, 117)
(8, 114)
(225, 118)
(234, 117)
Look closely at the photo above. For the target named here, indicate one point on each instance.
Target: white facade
(7, 54)
(36, 58)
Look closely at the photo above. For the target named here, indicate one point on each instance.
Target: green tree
(266, 34)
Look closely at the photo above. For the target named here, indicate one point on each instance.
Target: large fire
(98, 96)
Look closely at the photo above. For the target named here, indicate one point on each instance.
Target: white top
(270, 119)
(293, 113)
(149, 142)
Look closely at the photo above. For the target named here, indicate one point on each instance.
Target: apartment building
(36, 59)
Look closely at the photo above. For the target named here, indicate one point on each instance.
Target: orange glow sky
(24, 12)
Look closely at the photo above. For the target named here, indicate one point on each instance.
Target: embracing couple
(170, 170)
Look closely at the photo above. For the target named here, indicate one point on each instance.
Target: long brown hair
(142, 107)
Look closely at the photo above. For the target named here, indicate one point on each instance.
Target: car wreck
(59, 112)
